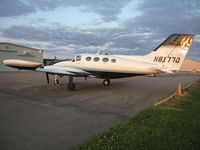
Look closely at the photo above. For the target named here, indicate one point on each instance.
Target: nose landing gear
(56, 81)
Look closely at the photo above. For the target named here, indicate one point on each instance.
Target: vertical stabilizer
(171, 53)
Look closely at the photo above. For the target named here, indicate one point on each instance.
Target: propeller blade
(47, 77)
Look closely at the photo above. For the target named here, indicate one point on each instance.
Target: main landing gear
(71, 85)
(106, 82)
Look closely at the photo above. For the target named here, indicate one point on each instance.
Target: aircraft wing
(54, 71)
(63, 70)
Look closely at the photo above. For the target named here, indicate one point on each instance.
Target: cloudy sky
(64, 28)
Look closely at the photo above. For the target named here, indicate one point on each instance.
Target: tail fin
(171, 53)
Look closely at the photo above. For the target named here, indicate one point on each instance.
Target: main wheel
(71, 86)
(106, 82)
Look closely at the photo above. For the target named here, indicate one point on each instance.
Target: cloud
(61, 39)
(139, 35)
(160, 19)
(67, 41)
(10, 8)
(168, 16)
(73, 39)
(59, 36)
(107, 9)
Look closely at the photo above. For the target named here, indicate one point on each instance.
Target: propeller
(47, 77)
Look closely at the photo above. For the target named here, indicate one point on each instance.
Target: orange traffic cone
(179, 90)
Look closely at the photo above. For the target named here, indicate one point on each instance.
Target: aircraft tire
(106, 82)
(56, 81)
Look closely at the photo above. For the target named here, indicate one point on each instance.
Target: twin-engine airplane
(166, 58)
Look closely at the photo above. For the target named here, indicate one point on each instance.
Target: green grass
(172, 127)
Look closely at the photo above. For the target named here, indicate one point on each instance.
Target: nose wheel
(56, 81)
(106, 82)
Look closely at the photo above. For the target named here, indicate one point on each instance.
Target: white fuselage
(110, 63)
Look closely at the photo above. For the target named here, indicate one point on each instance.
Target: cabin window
(113, 60)
(88, 58)
(96, 59)
(78, 58)
(105, 59)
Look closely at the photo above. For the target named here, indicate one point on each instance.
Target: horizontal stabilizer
(162, 69)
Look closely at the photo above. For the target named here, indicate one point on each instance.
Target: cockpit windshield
(78, 58)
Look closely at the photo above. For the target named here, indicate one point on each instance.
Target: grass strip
(173, 126)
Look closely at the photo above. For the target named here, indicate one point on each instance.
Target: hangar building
(13, 51)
